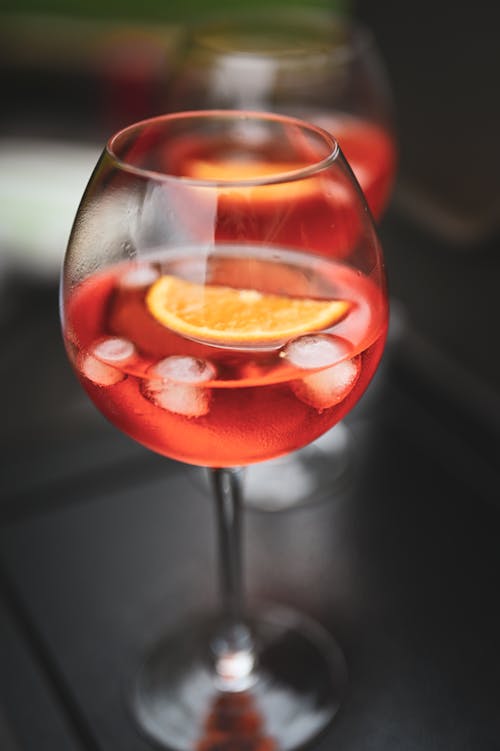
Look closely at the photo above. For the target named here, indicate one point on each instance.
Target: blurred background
(72, 73)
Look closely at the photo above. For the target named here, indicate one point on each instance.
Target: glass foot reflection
(317, 472)
(294, 693)
(235, 722)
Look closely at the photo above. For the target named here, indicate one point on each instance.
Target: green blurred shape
(159, 10)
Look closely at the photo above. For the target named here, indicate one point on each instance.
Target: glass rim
(277, 178)
(359, 37)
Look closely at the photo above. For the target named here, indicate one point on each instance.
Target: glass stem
(232, 646)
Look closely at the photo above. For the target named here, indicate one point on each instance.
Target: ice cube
(185, 369)
(139, 277)
(99, 372)
(176, 384)
(315, 351)
(328, 387)
(181, 398)
(114, 350)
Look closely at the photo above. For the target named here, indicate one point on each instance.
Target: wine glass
(327, 70)
(310, 64)
(223, 302)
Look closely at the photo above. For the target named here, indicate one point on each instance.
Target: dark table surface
(104, 545)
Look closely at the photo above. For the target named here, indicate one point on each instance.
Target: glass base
(312, 474)
(291, 696)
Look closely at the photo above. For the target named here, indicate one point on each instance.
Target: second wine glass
(327, 70)
(309, 64)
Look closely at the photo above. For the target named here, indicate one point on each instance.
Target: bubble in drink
(315, 351)
(114, 350)
(177, 385)
(328, 387)
(139, 277)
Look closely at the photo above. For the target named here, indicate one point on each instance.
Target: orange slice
(233, 170)
(227, 315)
(204, 169)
